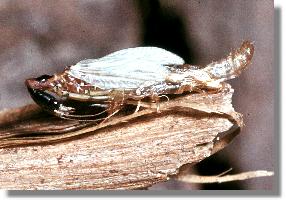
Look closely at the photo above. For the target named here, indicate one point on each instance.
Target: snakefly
(97, 88)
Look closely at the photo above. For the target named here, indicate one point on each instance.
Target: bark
(39, 151)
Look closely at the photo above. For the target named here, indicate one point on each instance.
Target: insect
(94, 89)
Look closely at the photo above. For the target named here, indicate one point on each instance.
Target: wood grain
(126, 152)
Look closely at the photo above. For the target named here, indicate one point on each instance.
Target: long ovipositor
(96, 88)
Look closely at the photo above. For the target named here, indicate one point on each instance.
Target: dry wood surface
(39, 151)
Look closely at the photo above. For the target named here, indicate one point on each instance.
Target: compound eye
(43, 78)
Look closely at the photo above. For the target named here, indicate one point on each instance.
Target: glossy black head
(39, 91)
(47, 101)
(42, 92)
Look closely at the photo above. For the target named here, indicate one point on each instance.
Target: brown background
(42, 37)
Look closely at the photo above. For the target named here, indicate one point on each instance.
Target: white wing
(128, 68)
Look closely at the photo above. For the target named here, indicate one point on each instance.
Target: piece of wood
(132, 151)
(225, 178)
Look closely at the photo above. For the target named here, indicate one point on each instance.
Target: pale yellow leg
(138, 106)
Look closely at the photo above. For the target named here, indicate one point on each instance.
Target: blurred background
(42, 37)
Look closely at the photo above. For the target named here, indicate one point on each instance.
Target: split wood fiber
(38, 151)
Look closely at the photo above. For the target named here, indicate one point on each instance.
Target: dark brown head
(41, 83)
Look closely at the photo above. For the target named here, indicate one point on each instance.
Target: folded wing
(127, 69)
